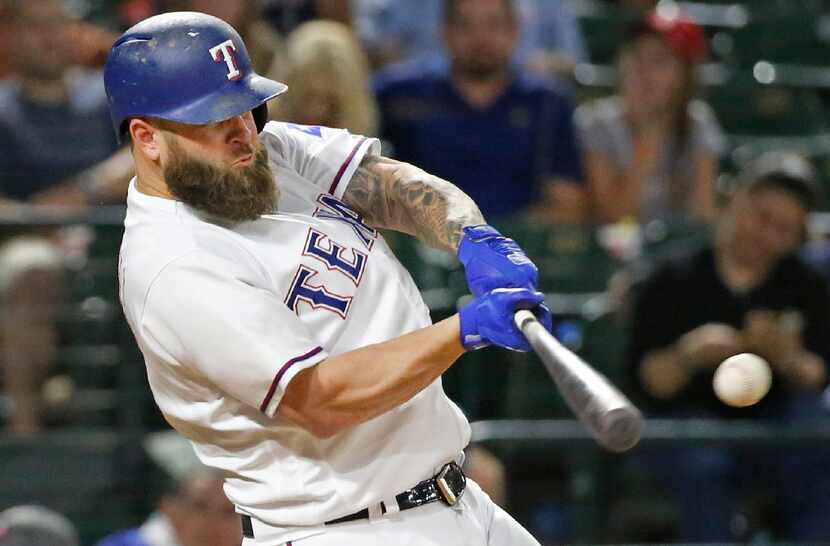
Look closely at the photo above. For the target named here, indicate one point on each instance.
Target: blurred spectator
(744, 291)
(5, 34)
(247, 17)
(550, 42)
(195, 513)
(35, 526)
(192, 511)
(328, 75)
(286, 15)
(487, 470)
(54, 124)
(126, 13)
(90, 43)
(652, 150)
(54, 120)
(504, 137)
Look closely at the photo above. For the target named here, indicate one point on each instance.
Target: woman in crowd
(651, 151)
(328, 75)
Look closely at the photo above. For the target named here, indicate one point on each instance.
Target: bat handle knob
(521, 318)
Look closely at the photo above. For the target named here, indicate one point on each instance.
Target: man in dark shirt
(745, 291)
(501, 135)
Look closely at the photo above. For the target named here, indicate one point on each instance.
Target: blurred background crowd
(665, 164)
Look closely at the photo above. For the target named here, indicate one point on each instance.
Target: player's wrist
(471, 338)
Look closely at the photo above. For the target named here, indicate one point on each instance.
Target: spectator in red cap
(651, 151)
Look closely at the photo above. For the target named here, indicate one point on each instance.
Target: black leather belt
(447, 486)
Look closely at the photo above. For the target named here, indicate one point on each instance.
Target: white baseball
(742, 380)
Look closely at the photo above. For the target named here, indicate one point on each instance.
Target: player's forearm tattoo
(395, 195)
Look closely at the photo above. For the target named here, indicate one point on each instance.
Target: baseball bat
(608, 415)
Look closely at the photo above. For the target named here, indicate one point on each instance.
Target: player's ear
(145, 138)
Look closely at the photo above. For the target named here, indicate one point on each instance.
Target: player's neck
(150, 182)
(152, 189)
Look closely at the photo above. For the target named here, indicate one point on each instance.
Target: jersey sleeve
(208, 317)
(324, 156)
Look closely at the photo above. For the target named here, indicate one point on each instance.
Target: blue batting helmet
(185, 67)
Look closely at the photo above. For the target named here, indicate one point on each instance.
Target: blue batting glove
(493, 261)
(488, 319)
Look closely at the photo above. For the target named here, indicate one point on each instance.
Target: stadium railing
(597, 482)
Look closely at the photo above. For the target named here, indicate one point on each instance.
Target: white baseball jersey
(227, 316)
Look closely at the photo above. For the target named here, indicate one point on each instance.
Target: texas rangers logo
(225, 52)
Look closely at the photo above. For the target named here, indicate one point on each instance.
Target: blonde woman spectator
(328, 75)
(651, 151)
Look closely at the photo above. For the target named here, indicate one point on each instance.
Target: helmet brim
(250, 94)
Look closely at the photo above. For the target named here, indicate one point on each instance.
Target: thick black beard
(234, 194)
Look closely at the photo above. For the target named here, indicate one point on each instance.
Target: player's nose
(241, 130)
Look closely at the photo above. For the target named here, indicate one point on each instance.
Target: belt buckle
(444, 488)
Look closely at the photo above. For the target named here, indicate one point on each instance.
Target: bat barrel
(622, 428)
(607, 414)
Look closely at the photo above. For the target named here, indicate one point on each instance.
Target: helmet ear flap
(260, 114)
(122, 135)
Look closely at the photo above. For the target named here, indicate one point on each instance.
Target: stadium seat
(88, 476)
(603, 30)
(569, 258)
(746, 107)
(790, 37)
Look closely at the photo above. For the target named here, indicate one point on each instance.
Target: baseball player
(280, 334)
